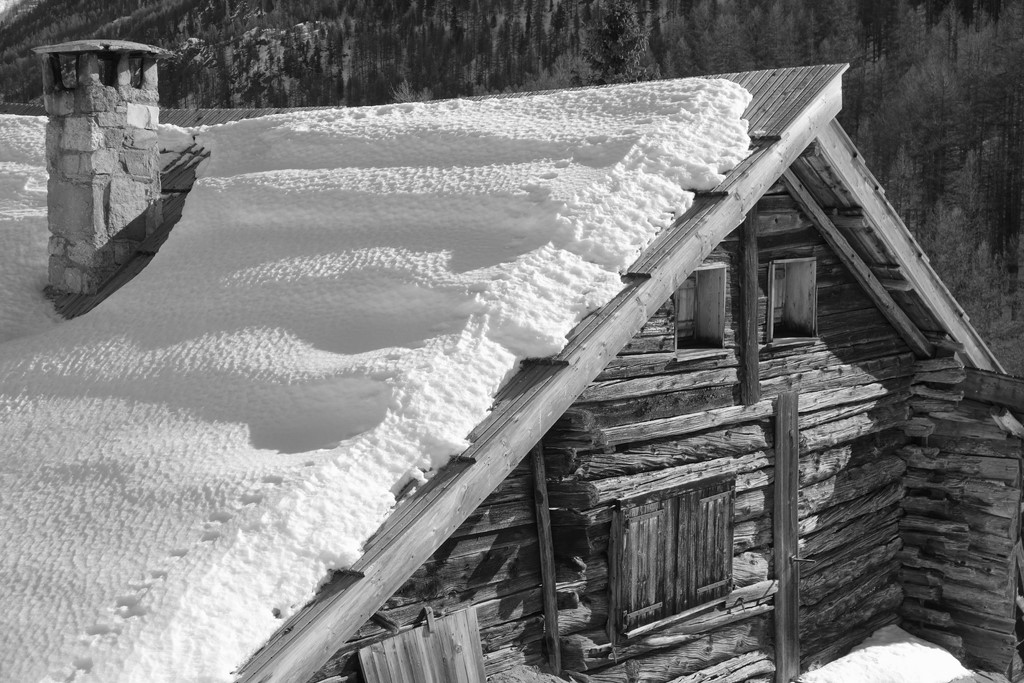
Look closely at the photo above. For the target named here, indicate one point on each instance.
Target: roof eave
(846, 162)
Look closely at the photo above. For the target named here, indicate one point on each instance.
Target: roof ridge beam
(906, 328)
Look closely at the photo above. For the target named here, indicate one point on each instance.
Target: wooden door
(786, 535)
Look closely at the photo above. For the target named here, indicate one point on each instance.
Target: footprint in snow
(129, 606)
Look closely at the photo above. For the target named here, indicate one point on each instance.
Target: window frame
(799, 321)
(680, 596)
(708, 308)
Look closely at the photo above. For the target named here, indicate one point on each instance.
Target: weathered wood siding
(961, 523)
(652, 418)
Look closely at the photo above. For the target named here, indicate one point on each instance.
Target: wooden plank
(615, 574)
(860, 270)
(686, 424)
(787, 472)
(992, 387)
(746, 337)
(590, 650)
(692, 656)
(547, 559)
(746, 667)
(621, 389)
(836, 148)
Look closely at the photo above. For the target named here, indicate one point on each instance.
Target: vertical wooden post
(787, 571)
(547, 560)
(746, 338)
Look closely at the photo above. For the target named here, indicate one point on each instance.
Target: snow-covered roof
(343, 297)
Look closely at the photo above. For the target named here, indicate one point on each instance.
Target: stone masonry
(103, 159)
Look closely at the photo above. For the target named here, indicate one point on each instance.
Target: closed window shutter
(672, 550)
(704, 544)
(647, 572)
(713, 557)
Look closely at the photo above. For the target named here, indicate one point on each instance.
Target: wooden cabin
(780, 436)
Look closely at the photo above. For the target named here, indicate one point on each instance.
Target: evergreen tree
(615, 48)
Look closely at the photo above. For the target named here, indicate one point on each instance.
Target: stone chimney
(102, 156)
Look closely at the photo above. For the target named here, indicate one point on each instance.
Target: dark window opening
(66, 71)
(108, 69)
(792, 299)
(135, 71)
(700, 310)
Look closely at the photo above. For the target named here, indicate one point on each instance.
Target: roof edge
(101, 45)
(846, 161)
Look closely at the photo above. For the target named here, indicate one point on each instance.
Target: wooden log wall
(961, 523)
(655, 418)
(491, 561)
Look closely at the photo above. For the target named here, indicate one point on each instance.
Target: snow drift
(346, 291)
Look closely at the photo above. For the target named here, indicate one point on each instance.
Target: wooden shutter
(646, 573)
(447, 652)
(709, 321)
(711, 576)
(704, 545)
(686, 305)
(670, 550)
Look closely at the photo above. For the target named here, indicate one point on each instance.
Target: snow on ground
(891, 655)
(23, 232)
(346, 291)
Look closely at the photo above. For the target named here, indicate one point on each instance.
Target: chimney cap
(100, 45)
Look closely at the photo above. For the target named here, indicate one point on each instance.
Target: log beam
(547, 559)
(746, 336)
(787, 472)
(992, 387)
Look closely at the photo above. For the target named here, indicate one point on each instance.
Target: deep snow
(345, 292)
(23, 233)
(891, 655)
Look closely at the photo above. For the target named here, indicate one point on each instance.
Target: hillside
(933, 97)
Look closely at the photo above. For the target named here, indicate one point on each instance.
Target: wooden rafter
(860, 270)
(842, 157)
(528, 407)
